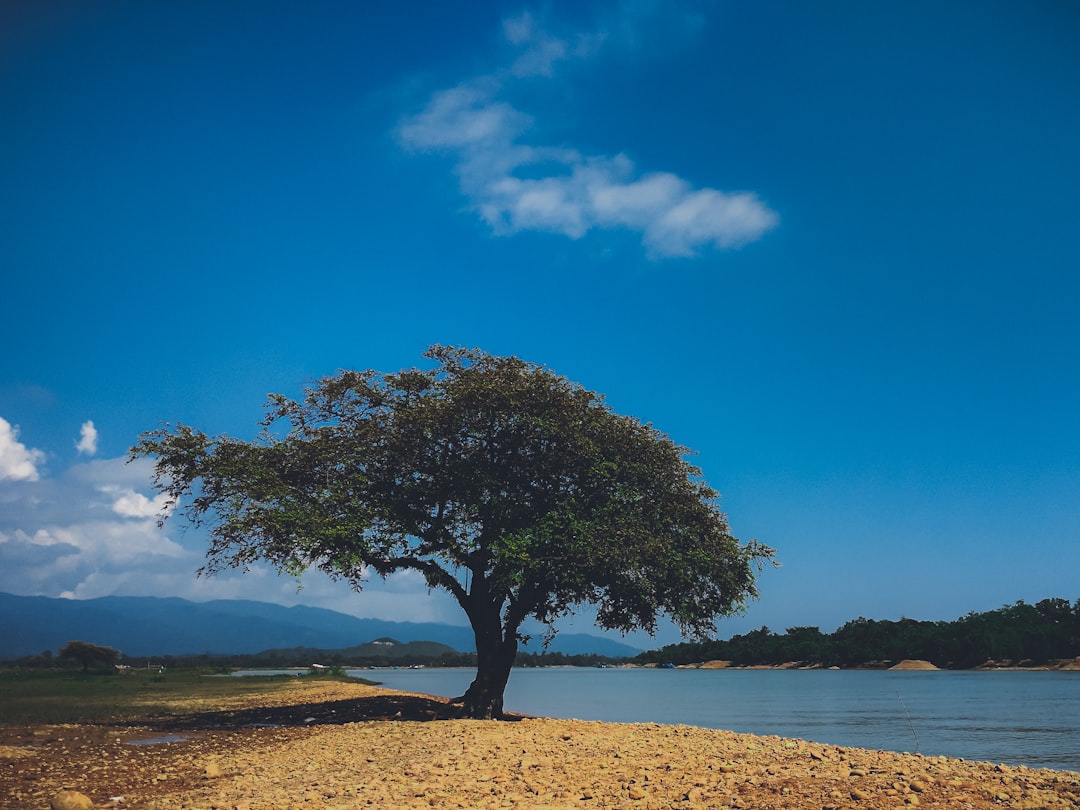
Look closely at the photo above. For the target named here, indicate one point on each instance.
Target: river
(1011, 717)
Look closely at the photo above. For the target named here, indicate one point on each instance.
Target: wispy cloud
(515, 186)
(539, 51)
(88, 439)
(17, 461)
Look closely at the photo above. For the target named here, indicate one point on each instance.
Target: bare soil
(326, 745)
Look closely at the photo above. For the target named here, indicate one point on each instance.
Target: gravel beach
(340, 745)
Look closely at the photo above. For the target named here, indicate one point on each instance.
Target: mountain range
(155, 626)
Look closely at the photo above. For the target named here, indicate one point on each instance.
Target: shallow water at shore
(1020, 718)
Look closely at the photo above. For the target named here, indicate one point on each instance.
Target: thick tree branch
(434, 574)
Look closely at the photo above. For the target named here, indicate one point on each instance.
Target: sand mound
(715, 665)
(909, 663)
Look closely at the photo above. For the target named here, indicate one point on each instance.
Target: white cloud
(102, 473)
(539, 49)
(92, 531)
(515, 186)
(17, 461)
(90, 521)
(465, 118)
(129, 503)
(54, 560)
(88, 438)
(708, 217)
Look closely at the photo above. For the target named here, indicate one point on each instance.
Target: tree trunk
(494, 658)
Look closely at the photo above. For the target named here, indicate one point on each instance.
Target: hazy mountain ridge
(155, 626)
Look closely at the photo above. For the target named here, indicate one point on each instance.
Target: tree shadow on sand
(414, 708)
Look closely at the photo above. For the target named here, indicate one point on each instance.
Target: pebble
(71, 800)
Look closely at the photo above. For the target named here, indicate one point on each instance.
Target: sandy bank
(1069, 664)
(331, 752)
(913, 664)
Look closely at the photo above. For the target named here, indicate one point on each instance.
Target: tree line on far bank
(84, 656)
(1020, 634)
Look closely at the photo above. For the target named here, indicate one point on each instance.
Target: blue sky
(832, 247)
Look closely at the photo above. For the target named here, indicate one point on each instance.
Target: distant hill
(153, 626)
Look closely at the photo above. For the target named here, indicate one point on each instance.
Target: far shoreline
(906, 664)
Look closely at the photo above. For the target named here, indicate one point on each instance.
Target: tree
(87, 654)
(516, 491)
(806, 644)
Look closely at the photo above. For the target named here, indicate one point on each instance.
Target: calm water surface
(1019, 718)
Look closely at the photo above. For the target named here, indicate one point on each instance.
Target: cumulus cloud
(516, 186)
(89, 521)
(88, 438)
(17, 461)
(92, 531)
(129, 503)
(53, 560)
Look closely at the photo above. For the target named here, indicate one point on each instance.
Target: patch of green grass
(35, 697)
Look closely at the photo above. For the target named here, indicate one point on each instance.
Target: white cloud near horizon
(88, 439)
(17, 461)
(92, 531)
(514, 186)
(57, 533)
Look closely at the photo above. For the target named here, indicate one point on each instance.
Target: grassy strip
(54, 697)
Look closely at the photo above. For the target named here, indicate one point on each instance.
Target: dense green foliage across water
(1019, 634)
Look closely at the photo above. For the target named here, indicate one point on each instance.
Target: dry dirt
(338, 745)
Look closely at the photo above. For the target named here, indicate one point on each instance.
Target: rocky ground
(323, 745)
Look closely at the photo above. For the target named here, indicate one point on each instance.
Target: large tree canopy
(518, 492)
